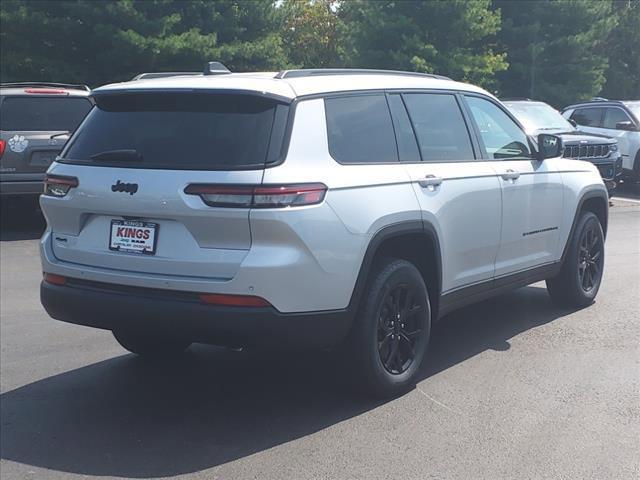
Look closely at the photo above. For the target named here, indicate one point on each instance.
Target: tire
(636, 168)
(150, 345)
(578, 282)
(385, 349)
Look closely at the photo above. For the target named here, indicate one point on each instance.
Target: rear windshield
(180, 131)
(43, 113)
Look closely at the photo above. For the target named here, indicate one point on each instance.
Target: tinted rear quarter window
(360, 129)
(589, 117)
(182, 130)
(440, 128)
(43, 113)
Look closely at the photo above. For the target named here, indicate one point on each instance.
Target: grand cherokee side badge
(130, 188)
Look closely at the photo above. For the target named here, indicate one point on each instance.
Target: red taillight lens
(46, 91)
(263, 196)
(58, 185)
(233, 300)
(55, 279)
(3, 144)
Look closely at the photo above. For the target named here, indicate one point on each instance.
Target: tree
(98, 41)
(313, 33)
(623, 46)
(556, 48)
(454, 38)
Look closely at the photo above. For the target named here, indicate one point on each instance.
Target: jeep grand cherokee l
(310, 208)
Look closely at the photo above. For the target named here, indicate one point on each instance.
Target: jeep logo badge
(130, 188)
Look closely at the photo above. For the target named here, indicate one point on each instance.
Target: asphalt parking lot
(512, 388)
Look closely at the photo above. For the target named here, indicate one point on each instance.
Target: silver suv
(36, 120)
(309, 208)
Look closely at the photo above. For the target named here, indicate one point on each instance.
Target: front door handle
(511, 175)
(430, 181)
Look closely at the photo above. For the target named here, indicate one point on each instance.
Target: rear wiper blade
(117, 155)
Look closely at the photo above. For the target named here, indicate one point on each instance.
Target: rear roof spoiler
(71, 86)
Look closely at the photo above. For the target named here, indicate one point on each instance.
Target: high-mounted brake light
(3, 145)
(233, 300)
(58, 185)
(46, 91)
(261, 196)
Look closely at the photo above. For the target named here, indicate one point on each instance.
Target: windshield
(538, 116)
(635, 108)
(29, 114)
(180, 131)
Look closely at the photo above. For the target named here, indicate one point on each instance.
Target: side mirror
(549, 146)
(627, 126)
(572, 122)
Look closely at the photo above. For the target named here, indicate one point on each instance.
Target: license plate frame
(139, 246)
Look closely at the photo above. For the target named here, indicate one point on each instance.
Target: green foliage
(454, 38)
(623, 47)
(558, 51)
(98, 42)
(312, 33)
(556, 48)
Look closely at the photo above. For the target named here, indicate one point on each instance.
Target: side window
(360, 129)
(407, 146)
(503, 139)
(613, 116)
(440, 128)
(588, 117)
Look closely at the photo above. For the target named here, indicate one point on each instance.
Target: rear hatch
(35, 127)
(134, 157)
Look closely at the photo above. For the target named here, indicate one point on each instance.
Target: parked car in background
(616, 118)
(309, 208)
(601, 150)
(36, 120)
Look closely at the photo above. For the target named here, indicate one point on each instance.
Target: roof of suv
(602, 102)
(44, 88)
(295, 83)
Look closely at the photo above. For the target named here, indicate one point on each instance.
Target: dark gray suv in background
(36, 120)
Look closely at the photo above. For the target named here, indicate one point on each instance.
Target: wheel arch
(416, 241)
(595, 201)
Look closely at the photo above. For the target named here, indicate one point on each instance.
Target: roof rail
(74, 86)
(312, 72)
(215, 68)
(600, 99)
(517, 99)
(149, 75)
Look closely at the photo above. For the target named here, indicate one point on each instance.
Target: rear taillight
(54, 279)
(3, 144)
(46, 91)
(233, 300)
(58, 185)
(263, 196)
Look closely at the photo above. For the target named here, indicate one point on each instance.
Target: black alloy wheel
(399, 329)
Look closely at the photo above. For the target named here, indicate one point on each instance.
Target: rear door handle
(510, 175)
(430, 181)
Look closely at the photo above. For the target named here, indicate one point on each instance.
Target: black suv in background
(36, 120)
(601, 150)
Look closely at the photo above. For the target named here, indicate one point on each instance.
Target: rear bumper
(21, 188)
(175, 313)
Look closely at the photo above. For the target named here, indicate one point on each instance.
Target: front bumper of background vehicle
(180, 314)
